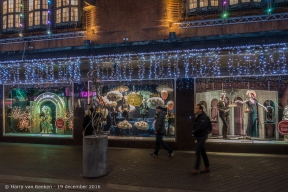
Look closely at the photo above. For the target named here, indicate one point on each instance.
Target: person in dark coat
(160, 131)
(87, 123)
(200, 132)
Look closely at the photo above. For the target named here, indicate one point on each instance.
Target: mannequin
(223, 113)
(253, 122)
(114, 114)
(125, 109)
(144, 109)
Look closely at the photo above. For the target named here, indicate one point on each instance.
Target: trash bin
(95, 156)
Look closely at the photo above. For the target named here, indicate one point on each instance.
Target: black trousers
(159, 141)
(201, 151)
(224, 126)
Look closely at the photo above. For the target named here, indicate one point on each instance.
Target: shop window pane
(30, 111)
(245, 1)
(203, 3)
(193, 4)
(233, 2)
(31, 3)
(17, 20)
(58, 16)
(257, 0)
(37, 4)
(30, 19)
(74, 14)
(74, 2)
(17, 6)
(4, 7)
(59, 3)
(10, 21)
(4, 22)
(65, 15)
(133, 108)
(214, 3)
(44, 17)
(37, 18)
(10, 6)
(44, 4)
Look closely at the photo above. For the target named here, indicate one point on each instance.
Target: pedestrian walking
(159, 132)
(200, 132)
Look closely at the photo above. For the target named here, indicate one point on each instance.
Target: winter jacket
(200, 124)
(160, 123)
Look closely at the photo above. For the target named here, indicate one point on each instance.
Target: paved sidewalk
(59, 168)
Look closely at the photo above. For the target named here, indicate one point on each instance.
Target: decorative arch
(36, 109)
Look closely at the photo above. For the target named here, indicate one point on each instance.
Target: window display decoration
(164, 94)
(122, 88)
(170, 105)
(69, 118)
(155, 102)
(131, 108)
(144, 109)
(144, 94)
(114, 96)
(167, 88)
(23, 117)
(46, 120)
(109, 103)
(285, 113)
(134, 99)
(232, 103)
(124, 125)
(142, 125)
(170, 130)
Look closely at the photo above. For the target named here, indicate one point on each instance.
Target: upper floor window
(67, 11)
(38, 12)
(192, 4)
(234, 2)
(11, 10)
(202, 3)
(214, 3)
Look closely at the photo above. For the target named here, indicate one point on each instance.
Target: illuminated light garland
(49, 13)
(242, 61)
(21, 23)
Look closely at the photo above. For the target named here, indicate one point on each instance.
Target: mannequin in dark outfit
(223, 113)
(144, 109)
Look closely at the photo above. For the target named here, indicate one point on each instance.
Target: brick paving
(135, 170)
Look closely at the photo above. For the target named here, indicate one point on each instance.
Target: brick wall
(141, 20)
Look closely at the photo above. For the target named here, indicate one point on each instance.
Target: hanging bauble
(114, 95)
(170, 105)
(164, 94)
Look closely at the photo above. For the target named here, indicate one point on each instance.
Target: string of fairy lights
(49, 17)
(252, 60)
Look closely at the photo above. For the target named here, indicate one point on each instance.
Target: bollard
(95, 156)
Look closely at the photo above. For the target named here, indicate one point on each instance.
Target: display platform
(37, 135)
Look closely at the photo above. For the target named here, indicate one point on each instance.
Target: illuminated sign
(85, 94)
(283, 127)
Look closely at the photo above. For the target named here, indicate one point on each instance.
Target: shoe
(171, 154)
(205, 170)
(194, 172)
(153, 155)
